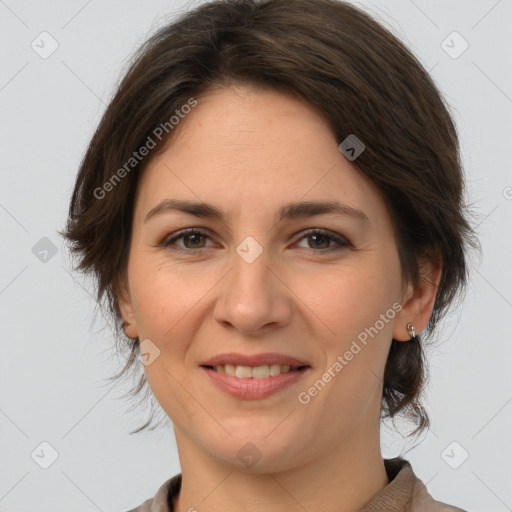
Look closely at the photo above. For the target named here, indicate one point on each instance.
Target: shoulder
(405, 492)
(163, 499)
(422, 500)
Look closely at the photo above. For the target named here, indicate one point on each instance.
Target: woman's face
(308, 287)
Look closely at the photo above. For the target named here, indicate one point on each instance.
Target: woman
(273, 207)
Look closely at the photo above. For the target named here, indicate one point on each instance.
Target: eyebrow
(288, 211)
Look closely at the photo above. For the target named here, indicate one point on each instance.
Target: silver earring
(411, 331)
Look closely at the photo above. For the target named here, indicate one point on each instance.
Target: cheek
(167, 305)
(164, 300)
(354, 311)
(346, 300)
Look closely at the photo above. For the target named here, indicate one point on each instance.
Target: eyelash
(341, 241)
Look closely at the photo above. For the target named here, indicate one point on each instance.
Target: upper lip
(253, 360)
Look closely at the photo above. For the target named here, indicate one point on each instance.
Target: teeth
(243, 372)
(256, 372)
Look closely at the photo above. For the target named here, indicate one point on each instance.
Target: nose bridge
(251, 271)
(252, 296)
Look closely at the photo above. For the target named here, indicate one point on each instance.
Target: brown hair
(363, 81)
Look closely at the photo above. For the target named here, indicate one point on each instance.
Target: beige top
(404, 493)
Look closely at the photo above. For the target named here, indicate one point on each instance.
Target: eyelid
(168, 240)
(341, 241)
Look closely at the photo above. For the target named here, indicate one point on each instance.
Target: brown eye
(191, 240)
(194, 239)
(323, 240)
(320, 241)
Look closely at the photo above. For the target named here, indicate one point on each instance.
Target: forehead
(250, 150)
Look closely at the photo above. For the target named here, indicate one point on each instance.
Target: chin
(261, 445)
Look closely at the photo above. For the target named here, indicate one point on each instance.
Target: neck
(348, 476)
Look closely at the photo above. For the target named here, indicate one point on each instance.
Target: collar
(400, 493)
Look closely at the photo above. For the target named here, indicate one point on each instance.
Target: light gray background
(55, 360)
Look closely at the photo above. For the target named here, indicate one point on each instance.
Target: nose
(254, 297)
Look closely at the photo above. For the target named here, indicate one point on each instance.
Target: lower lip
(253, 389)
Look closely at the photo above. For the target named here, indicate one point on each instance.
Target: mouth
(254, 382)
(264, 371)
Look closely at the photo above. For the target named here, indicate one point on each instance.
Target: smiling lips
(252, 377)
(254, 360)
(256, 372)
(256, 366)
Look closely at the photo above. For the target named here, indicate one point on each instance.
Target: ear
(418, 301)
(126, 308)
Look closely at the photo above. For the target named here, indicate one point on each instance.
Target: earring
(411, 331)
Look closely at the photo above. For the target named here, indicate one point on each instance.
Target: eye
(322, 241)
(321, 238)
(192, 234)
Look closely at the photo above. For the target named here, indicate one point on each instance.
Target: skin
(249, 151)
